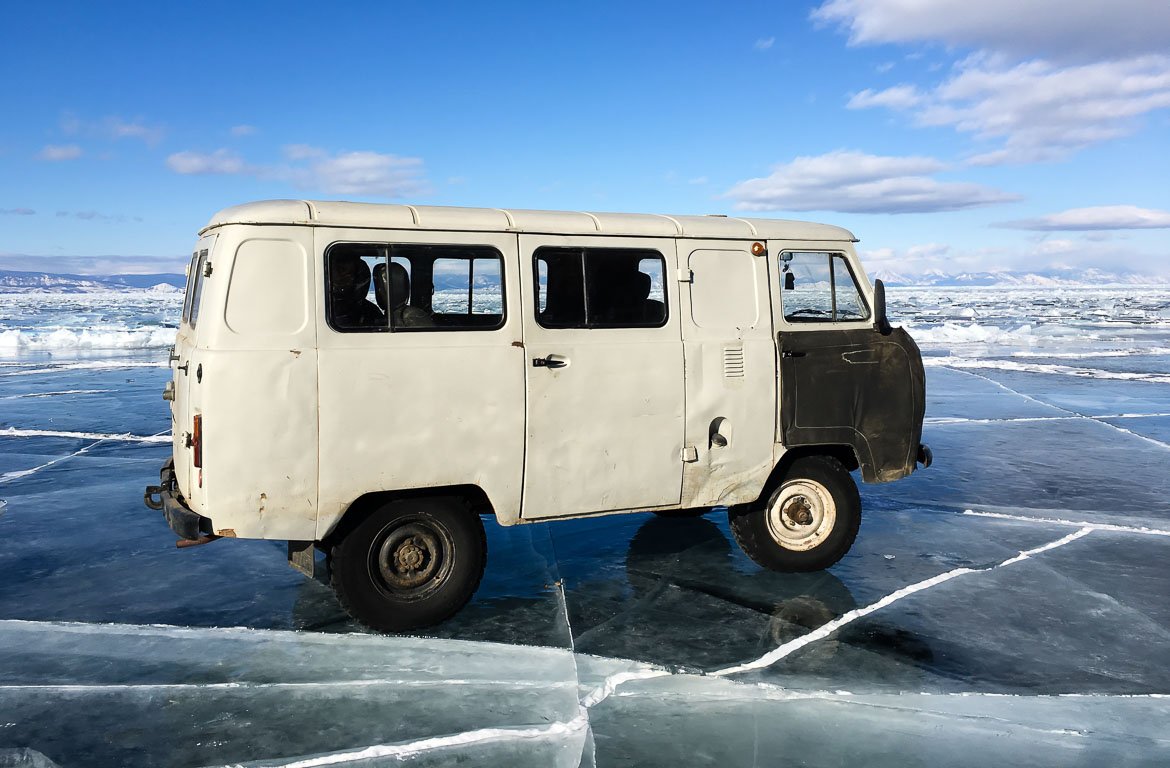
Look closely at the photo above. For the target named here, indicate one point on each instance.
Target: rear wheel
(809, 521)
(410, 564)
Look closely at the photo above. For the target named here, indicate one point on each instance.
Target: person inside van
(392, 292)
(349, 282)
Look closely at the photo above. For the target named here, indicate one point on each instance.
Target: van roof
(384, 216)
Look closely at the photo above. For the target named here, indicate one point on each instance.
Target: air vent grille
(733, 363)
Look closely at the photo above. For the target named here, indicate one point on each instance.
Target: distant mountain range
(46, 282)
(1046, 278)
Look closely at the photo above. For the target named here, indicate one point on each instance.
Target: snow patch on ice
(57, 394)
(1138, 529)
(150, 337)
(124, 437)
(89, 365)
(951, 361)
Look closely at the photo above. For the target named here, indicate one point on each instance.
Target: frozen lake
(1008, 605)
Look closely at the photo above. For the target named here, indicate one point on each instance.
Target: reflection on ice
(631, 640)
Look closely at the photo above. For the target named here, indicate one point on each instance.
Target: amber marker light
(758, 249)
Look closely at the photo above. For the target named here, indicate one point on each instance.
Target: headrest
(349, 276)
(641, 286)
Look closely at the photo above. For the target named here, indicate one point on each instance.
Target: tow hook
(188, 543)
(151, 492)
(925, 455)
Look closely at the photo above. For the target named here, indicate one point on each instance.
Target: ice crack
(825, 630)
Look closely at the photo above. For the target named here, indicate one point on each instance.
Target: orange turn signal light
(197, 440)
(758, 249)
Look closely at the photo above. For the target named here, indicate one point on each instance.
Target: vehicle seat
(652, 310)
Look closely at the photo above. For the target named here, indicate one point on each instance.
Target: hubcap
(412, 557)
(802, 515)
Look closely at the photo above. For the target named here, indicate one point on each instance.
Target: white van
(370, 380)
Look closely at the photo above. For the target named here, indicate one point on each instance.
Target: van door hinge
(686, 276)
(690, 453)
(207, 269)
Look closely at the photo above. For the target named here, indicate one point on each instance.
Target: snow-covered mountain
(46, 282)
(1045, 278)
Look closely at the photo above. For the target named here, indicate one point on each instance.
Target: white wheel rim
(802, 515)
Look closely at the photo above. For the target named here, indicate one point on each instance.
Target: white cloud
(112, 127)
(243, 130)
(119, 128)
(698, 180)
(854, 182)
(302, 152)
(765, 43)
(92, 215)
(94, 265)
(344, 173)
(17, 212)
(1036, 111)
(1105, 217)
(1056, 29)
(59, 152)
(898, 97)
(365, 173)
(221, 161)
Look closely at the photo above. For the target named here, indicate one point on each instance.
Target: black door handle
(550, 361)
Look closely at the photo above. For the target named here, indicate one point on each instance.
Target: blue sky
(947, 135)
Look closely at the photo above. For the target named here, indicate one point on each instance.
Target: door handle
(790, 353)
(550, 361)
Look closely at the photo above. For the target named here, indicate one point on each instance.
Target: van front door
(604, 375)
(843, 382)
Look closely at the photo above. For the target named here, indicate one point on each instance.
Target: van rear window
(380, 287)
(195, 287)
(190, 285)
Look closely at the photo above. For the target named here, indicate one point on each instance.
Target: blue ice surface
(117, 648)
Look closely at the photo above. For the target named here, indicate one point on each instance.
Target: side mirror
(789, 281)
(880, 323)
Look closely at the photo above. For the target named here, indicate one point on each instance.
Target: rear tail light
(197, 439)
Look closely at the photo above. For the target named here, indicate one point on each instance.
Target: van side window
(819, 288)
(381, 287)
(599, 288)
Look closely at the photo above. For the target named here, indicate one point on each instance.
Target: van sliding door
(604, 375)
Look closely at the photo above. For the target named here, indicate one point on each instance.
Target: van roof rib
(434, 217)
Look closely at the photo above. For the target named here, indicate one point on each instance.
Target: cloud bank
(1055, 29)
(854, 182)
(362, 173)
(1105, 217)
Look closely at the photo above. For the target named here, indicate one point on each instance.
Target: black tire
(809, 522)
(410, 564)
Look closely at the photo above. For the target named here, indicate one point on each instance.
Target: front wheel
(809, 521)
(410, 564)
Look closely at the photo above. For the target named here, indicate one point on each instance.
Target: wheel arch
(842, 453)
(473, 496)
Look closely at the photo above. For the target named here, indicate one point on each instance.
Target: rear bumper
(184, 522)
